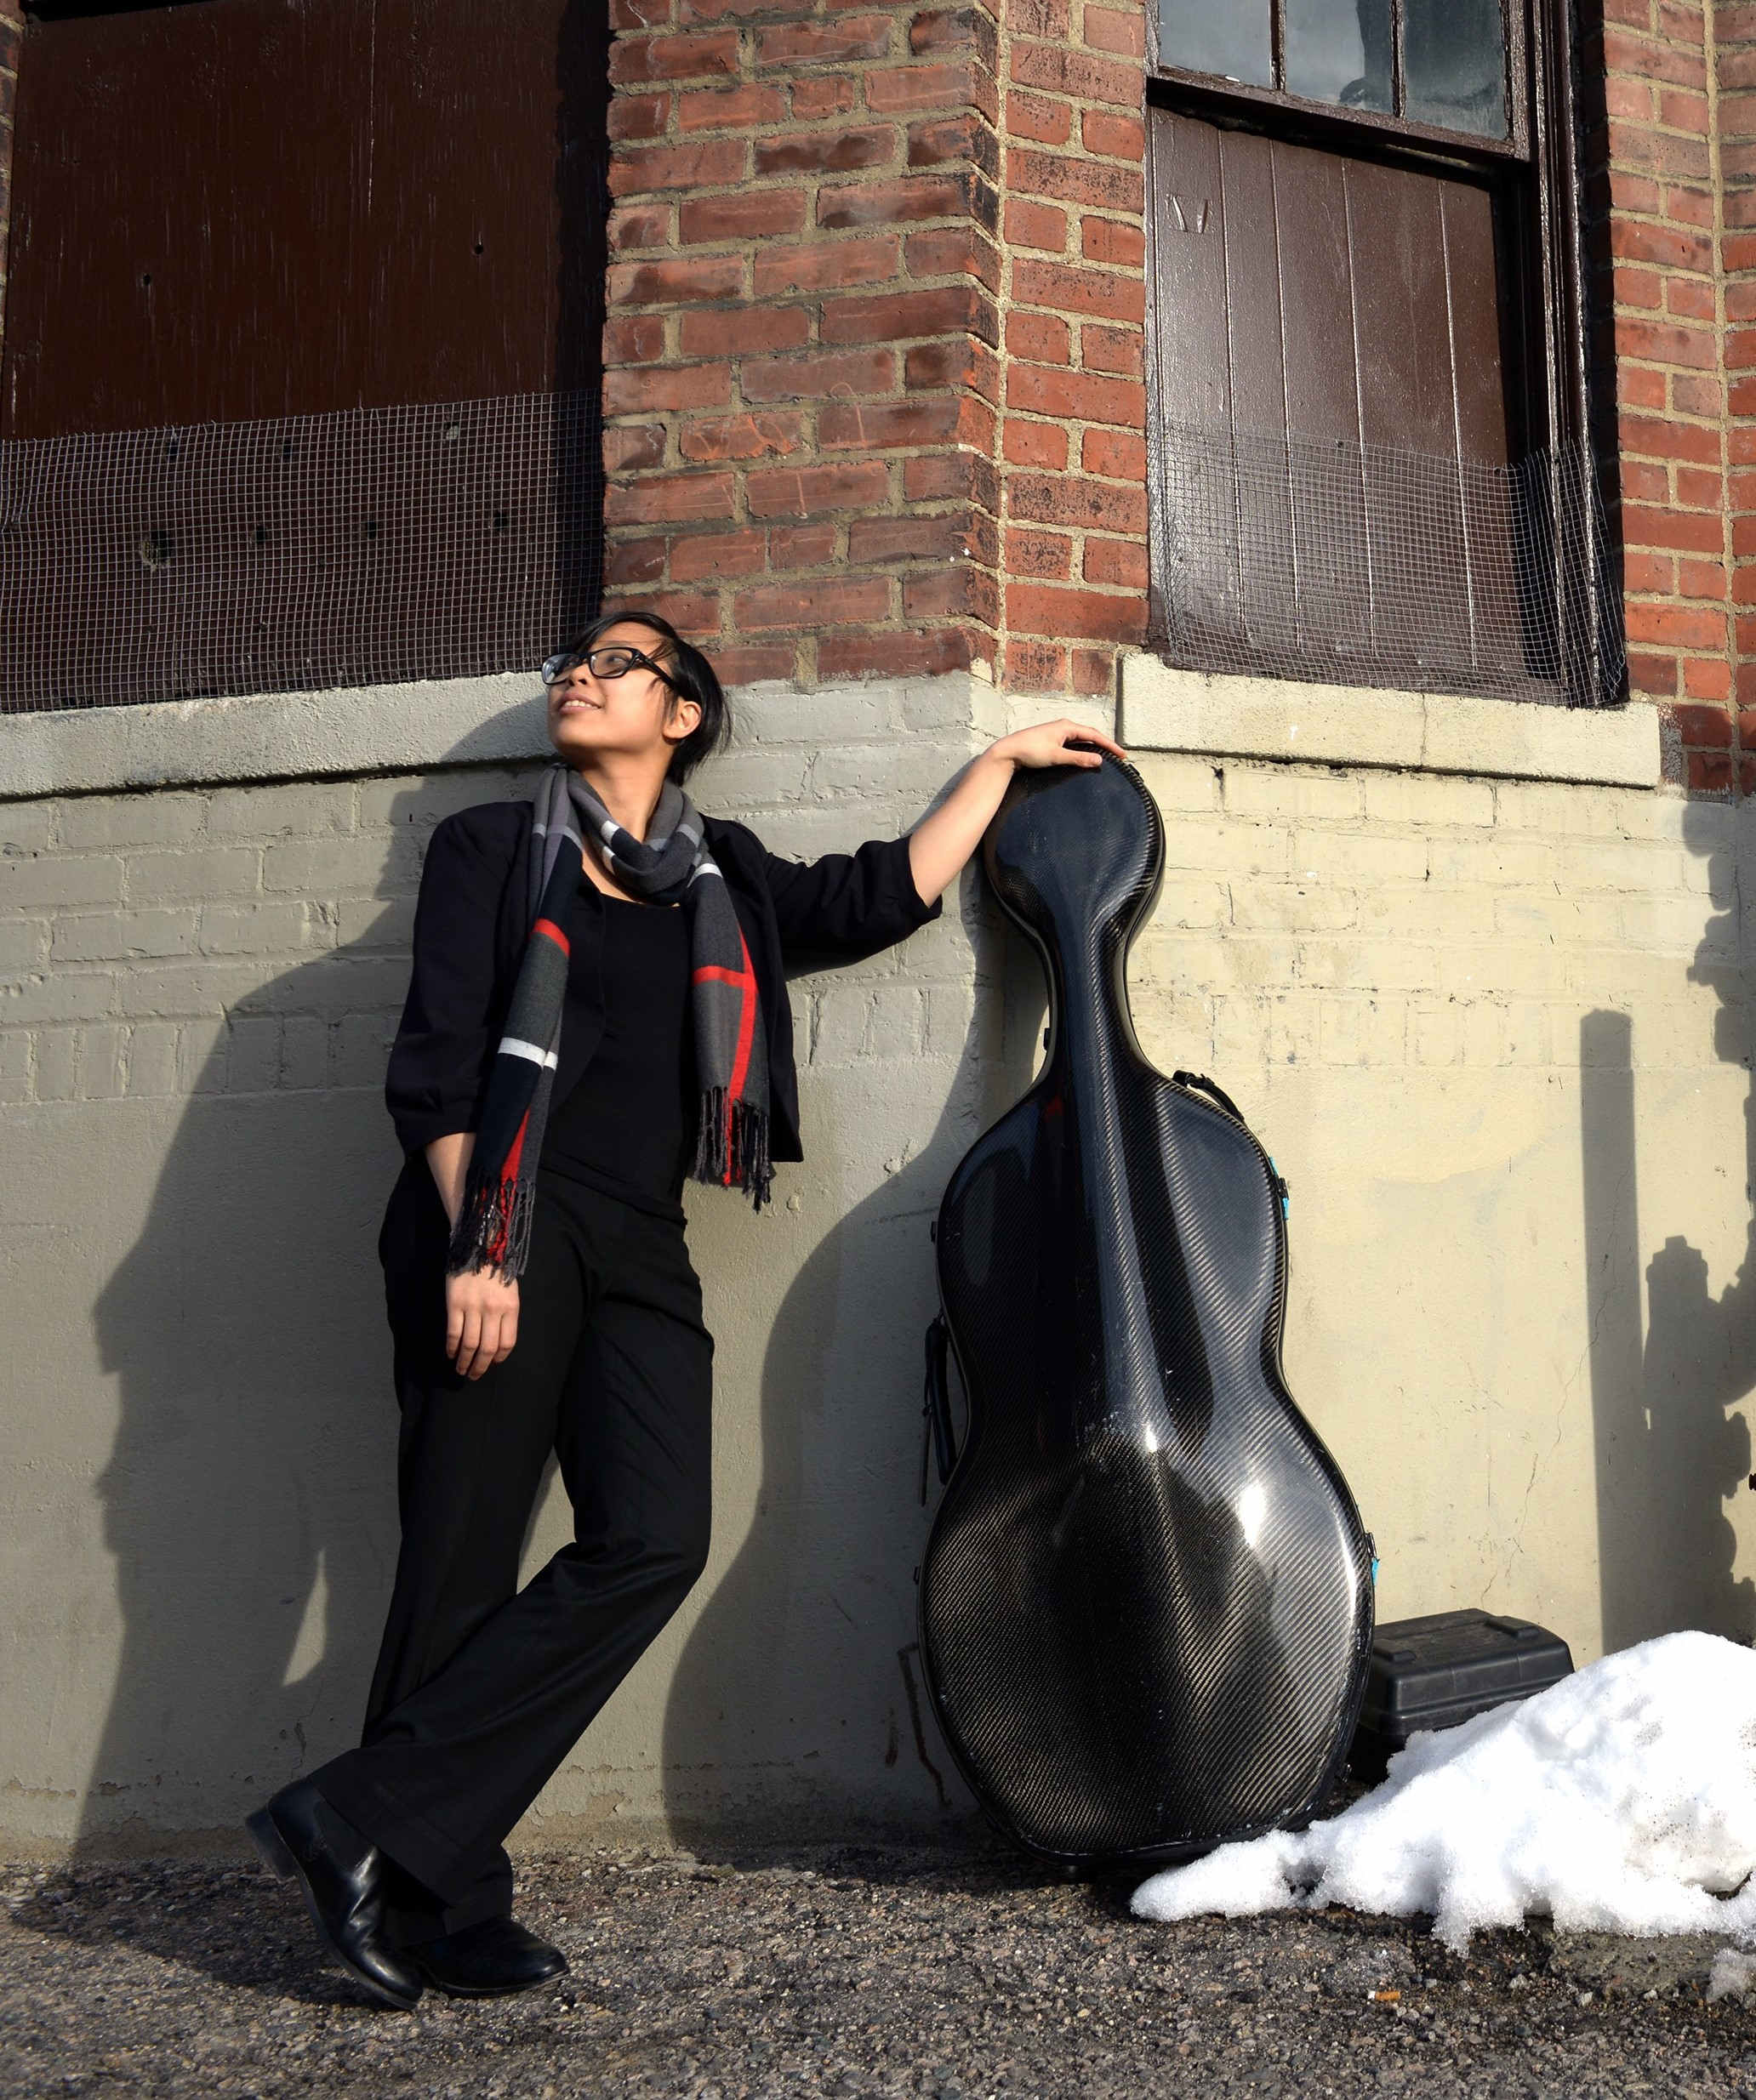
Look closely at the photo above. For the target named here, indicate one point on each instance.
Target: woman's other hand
(481, 1306)
(481, 1319)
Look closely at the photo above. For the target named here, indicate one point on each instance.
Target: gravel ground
(958, 1972)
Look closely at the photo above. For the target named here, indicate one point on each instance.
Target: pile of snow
(1622, 1800)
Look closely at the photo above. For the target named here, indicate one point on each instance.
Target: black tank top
(628, 1127)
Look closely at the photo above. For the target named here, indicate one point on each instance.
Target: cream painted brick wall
(151, 943)
(155, 919)
(197, 991)
(1419, 918)
(1499, 1037)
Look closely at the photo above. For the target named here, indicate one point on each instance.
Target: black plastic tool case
(1433, 1673)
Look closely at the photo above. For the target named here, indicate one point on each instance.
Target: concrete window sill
(1167, 709)
(489, 720)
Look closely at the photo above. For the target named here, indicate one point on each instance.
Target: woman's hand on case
(944, 841)
(481, 1319)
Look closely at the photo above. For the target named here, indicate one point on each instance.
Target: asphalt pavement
(955, 1970)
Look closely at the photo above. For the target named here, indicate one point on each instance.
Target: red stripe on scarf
(509, 1182)
(554, 932)
(746, 1036)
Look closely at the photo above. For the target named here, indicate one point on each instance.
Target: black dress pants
(482, 1688)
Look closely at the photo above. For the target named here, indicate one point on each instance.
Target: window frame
(1547, 258)
(1214, 88)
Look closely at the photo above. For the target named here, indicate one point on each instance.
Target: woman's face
(636, 714)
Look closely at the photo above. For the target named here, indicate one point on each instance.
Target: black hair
(691, 677)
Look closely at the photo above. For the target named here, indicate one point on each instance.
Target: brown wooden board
(242, 211)
(268, 207)
(1331, 409)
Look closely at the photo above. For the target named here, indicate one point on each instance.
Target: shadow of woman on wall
(797, 1708)
(249, 1497)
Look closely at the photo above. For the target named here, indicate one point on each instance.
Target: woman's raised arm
(941, 843)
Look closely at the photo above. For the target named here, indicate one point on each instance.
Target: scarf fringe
(751, 1168)
(493, 1227)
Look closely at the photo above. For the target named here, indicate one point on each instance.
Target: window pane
(1454, 64)
(1229, 37)
(1339, 51)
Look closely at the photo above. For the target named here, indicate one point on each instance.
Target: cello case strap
(936, 1404)
(1206, 1086)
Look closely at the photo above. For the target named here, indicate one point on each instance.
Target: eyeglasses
(614, 661)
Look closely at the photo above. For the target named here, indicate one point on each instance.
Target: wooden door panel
(1331, 589)
(1317, 290)
(247, 208)
(247, 231)
(1334, 355)
(482, 172)
(1402, 346)
(1402, 350)
(1255, 345)
(187, 193)
(1193, 352)
(1470, 265)
(1256, 348)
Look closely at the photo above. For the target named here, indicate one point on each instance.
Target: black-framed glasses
(612, 660)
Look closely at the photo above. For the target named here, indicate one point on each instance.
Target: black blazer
(472, 919)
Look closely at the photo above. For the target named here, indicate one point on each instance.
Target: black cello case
(1146, 1599)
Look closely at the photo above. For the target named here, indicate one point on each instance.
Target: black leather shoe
(304, 1839)
(488, 1960)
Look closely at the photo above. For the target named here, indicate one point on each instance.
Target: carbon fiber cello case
(1146, 1599)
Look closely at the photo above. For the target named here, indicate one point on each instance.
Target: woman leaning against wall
(597, 1012)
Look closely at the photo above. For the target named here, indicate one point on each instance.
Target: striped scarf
(672, 866)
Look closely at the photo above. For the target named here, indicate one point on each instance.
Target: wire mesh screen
(359, 547)
(1363, 565)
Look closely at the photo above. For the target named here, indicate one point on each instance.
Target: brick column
(801, 374)
(1735, 40)
(1074, 436)
(1652, 211)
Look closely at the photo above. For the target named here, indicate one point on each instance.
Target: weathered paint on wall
(195, 1001)
(1489, 1030)
(1496, 1034)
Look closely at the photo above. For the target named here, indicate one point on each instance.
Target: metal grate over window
(1326, 560)
(365, 547)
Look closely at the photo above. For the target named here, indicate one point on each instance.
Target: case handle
(1201, 1079)
(936, 1405)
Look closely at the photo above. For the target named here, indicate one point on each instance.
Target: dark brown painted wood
(260, 208)
(1408, 405)
(1332, 584)
(187, 186)
(1193, 359)
(1346, 321)
(1257, 350)
(487, 161)
(238, 211)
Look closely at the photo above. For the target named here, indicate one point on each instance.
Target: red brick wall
(801, 371)
(873, 357)
(1074, 432)
(875, 345)
(873, 353)
(1661, 368)
(1735, 36)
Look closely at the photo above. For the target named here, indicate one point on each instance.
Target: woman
(597, 1011)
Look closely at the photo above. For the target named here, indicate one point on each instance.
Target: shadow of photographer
(1670, 1452)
